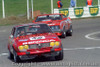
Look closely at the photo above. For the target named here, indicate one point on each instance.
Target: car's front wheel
(60, 56)
(10, 55)
(70, 32)
(16, 57)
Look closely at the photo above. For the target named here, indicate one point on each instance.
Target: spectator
(72, 3)
(89, 3)
(59, 4)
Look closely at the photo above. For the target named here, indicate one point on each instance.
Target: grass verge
(12, 20)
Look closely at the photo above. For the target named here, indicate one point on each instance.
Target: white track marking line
(65, 49)
(85, 48)
(88, 36)
(3, 54)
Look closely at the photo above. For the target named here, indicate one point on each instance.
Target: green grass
(0, 9)
(12, 20)
(18, 7)
(81, 3)
(14, 8)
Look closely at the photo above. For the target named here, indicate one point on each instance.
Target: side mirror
(11, 36)
(33, 21)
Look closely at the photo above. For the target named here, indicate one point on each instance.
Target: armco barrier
(80, 12)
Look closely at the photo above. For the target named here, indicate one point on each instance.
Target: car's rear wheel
(70, 32)
(16, 57)
(60, 56)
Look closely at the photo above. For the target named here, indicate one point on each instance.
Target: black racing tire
(63, 33)
(10, 55)
(70, 32)
(16, 57)
(60, 56)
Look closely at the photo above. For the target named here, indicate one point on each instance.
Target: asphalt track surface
(79, 51)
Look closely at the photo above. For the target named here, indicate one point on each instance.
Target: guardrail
(80, 12)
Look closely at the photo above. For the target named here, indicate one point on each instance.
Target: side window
(13, 31)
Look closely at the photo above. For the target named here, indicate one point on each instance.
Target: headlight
(26, 46)
(23, 47)
(55, 27)
(52, 44)
(55, 44)
(52, 27)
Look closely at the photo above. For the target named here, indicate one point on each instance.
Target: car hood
(52, 22)
(36, 39)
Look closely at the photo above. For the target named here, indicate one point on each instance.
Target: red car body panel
(65, 22)
(38, 52)
(27, 40)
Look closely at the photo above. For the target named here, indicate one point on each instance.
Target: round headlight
(26, 46)
(57, 43)
(21, 47)
(52, 44)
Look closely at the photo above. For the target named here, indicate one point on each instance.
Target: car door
(65, 22)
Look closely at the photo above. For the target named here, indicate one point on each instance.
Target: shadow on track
(37, 59)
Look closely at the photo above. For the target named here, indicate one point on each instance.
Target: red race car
(32, 40)
(59, 24)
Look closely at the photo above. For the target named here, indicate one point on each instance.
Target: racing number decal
(65, 24)
(68, 23)
(62, 24)
(36, 38)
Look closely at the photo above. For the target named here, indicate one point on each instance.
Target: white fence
(80, 12)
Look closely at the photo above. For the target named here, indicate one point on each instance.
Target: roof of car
(50, 14)
(28, 24)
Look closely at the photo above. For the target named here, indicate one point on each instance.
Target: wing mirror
(11, 36)
(33, 21)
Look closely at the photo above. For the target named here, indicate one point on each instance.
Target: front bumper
(58, 33)
(32, 55)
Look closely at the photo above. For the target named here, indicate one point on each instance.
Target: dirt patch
(12, 20)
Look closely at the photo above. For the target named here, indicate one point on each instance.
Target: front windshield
(48, 18)
(33, 29)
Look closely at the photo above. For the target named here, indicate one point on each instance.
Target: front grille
(42, 45)
(45, 45)
(33, 46)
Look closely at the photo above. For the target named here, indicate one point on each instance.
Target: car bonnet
(44, 38)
